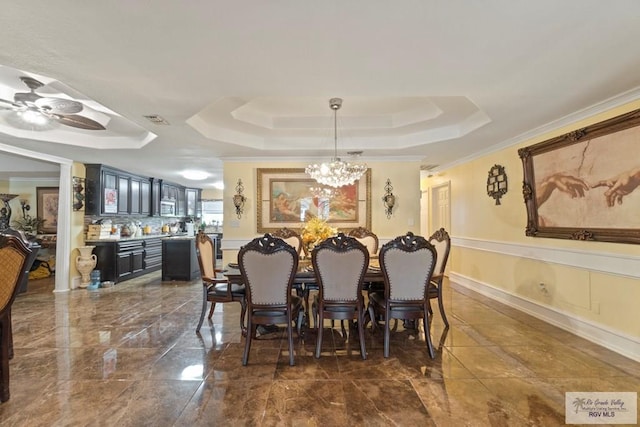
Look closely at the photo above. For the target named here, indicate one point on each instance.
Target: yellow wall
(603, 299)
(404, 176)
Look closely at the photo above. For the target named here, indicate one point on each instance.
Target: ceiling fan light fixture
(336, 173)
(33, 117)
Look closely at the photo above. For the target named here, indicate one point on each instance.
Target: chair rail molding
(604, 262)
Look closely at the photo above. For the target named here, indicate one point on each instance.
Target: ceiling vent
(157, 119)
(428, 167)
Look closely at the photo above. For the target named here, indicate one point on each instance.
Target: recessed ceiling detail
(368, 122)
(40, 108)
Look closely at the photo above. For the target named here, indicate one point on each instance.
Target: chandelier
(336, 173)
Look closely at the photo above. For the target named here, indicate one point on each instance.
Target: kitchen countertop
(182, 236)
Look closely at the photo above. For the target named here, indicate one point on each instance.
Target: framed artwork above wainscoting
(289, 197)
(585, 185)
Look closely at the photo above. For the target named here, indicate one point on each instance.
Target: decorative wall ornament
(239, 199)
(5, 211)
(78, 193)
(388, 199)
(497, 183)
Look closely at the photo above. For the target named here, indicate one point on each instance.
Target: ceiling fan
(64, 111)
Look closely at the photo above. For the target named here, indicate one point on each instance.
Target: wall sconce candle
(239, 199)
(389, 199)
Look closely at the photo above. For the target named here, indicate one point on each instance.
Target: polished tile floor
(129, 356)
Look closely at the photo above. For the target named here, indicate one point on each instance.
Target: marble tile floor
(129, 356)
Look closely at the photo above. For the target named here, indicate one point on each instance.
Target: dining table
(305, 278)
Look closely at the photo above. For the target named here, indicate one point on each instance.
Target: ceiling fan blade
(26, 98)
(13, 105)
(31, 83)
(59, 105)
(80, 122)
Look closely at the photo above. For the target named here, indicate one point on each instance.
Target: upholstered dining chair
(339, 264)
(216, 289)
(268, 266)
(290, 236)
(367, 238)
(442, 242)
(13, 258)
(407, 264)
(304, 287)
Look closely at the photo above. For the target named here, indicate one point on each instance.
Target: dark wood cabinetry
(156, 196)
(193, 196)
(110, 191)
(124, 183)
(153, 254)
(145, 197)
(179, 259)
(126, 259)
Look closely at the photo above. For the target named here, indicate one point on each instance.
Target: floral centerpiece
(314, 232)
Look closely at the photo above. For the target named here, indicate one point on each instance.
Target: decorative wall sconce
(78, 193)
(497, 183)
(24, 204)
(388, 199)
(239, 199)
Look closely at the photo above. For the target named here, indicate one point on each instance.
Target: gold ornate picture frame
(585, 185)
(289, 197)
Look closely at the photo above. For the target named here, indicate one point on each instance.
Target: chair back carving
(291, 237)
(407, 264)
(206, 255)
(442, 242)
(367, 238)
(268, 265)
(13, 258)
(340, 263)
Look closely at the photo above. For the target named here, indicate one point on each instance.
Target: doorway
(440, 213)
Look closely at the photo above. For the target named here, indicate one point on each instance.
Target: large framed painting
(585, 185)
(47, 207)
(289, 198)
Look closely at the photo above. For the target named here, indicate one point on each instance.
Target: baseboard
(619, 342)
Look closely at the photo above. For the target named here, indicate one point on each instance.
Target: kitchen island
(179, 258)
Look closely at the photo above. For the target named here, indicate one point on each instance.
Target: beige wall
(487, 236)
(26, 189)
(404, 176)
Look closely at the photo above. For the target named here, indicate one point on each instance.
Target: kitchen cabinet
(152, 254)
(145, 197)
(156, 196)
(120, 260)
(179, 259)
(109, 191)
(124, 183)
(181, 207)
(193, 196)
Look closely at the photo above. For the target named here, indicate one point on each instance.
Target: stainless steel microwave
(167, 208)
